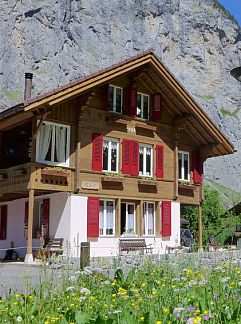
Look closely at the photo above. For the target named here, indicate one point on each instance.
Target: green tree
(216, 220)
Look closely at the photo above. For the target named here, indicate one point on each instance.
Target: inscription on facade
(90, 185)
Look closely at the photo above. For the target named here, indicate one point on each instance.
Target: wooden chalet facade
(110, 155)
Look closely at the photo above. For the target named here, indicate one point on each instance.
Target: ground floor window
(148, 218)
(37, 219)
(128, 224)
(107, 218)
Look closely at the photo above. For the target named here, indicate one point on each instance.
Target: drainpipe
(28, 85)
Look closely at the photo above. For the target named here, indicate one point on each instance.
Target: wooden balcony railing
(36, 176)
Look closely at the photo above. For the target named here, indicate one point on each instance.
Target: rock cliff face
(62, 40)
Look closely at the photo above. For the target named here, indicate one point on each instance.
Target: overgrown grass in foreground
(169, 293)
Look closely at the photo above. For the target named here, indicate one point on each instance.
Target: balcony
(21, 178)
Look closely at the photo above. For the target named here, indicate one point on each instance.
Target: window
(148, 218)
(110, 155)
(183, 166)
(128, 223)
(115, 99)
(142, 109)
(145, 160)
(107, 218)
(37, 219)
(53, 144)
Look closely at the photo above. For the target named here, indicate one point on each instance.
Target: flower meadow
(165, 293)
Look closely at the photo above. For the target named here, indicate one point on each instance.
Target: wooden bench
(134, 244)
(55, 246)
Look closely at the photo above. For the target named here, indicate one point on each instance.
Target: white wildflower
(70, 288)
(19, 319)
(85, 291)
(72, 279)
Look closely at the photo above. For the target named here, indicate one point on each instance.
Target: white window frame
(142, 101)
(104, 220)
(144, 174)
(182, 166)
(66, 163)
(145, 218)
(114, 98)
(127, 229)
(109, 154)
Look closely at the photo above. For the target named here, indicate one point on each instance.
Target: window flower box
(114, 179)
(144, 182)
(186, 186)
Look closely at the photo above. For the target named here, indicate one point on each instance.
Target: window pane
(105, 155)
(145, 106)
(141, 160)
(118, 99)
(185, 166)
(179, 166)
(144, 219)
(109, 218)
(150, 219)
(148, 161)
(110, 98)
(130, 219)
(114, 156)
(60, 144)
(138, 109)
(101, 218)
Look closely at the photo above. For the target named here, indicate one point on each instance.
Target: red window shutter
(156, 107)
(134, 158)
(3, 227)
(132, 102)
(26, 220)
(126, 157)
(159, 161)
(45, 218)
(166, 219)
(97, 149)
(93, 217)
(197, 167)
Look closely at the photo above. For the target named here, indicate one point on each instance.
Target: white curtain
(101, 218)
(109, 216)
(60, 132)
(130, 219)
(44, 140)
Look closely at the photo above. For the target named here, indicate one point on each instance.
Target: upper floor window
(107, 218)
(110, 155)
(148, 218)
(183, 166)
(115, 99)
(143, 103)
(145, 160)
(53, 144)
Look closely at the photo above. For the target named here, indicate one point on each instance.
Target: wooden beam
(43, 117)
(29, 255)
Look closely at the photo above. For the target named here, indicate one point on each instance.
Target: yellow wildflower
(165, 310)
(142, 318)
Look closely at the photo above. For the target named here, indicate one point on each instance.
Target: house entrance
(128, 225)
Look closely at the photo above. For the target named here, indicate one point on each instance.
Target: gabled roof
(184, 107)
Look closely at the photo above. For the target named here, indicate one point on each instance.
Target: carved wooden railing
(36, 176)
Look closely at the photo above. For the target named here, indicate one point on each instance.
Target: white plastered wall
(59, 222)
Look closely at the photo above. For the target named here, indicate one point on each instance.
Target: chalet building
(110, 155)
